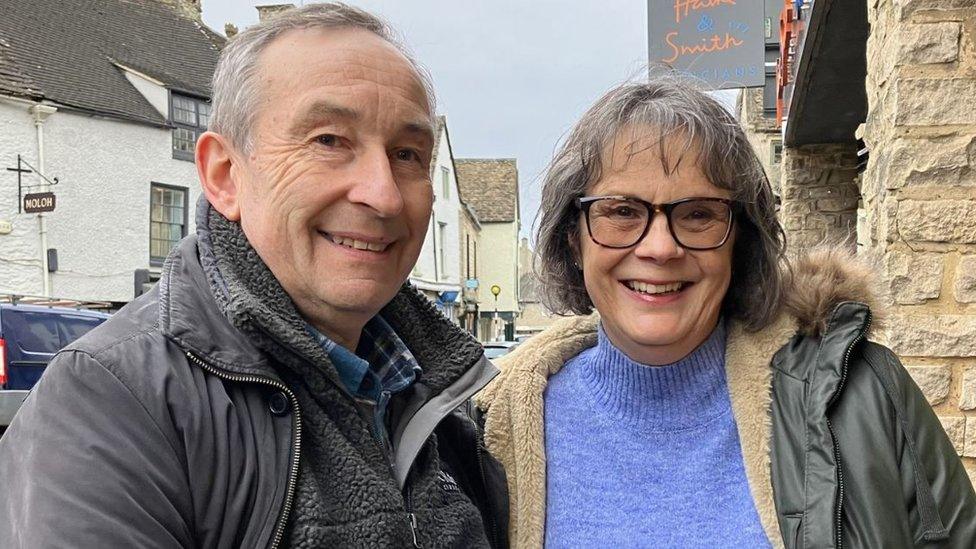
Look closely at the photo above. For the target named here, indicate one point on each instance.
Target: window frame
(195, 129)
(445, 182)
(158, 261)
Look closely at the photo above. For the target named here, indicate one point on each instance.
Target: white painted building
(438, 269)
(118, 138)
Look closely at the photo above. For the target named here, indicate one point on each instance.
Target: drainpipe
(40, 113)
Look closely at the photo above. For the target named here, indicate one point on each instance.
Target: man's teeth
(357, 244)
(654, 288)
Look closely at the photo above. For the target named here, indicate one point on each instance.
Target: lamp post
(495, 290)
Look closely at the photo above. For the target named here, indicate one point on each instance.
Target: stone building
(534, 317)
(879, 153)
(490, 186)
(108, 97)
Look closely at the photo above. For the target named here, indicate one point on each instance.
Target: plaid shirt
(381, 367)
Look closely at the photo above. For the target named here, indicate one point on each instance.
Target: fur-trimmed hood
(513, 402)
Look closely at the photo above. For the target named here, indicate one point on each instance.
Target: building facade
(490, 187)
(109, 102)
(470, 249)
(438, 269)
(879, 138)
(534, 316)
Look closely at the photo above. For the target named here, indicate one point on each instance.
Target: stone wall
(762, 132)
(819, 192)
(919, 197)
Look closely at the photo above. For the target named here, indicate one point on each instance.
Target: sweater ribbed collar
(683, 395)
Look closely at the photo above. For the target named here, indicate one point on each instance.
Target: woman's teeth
(654, 289)
(357, 244)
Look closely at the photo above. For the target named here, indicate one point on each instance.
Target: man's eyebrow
(423, 130)
(319, 111)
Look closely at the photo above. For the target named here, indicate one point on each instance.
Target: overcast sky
(512, 76)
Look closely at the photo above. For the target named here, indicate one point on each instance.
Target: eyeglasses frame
(584, 203)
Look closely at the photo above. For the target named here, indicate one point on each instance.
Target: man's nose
(375, 184)
(659, 244)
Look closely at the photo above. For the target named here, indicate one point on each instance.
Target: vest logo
(447, 482)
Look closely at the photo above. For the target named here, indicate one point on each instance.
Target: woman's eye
(328, 140)
(623, 211)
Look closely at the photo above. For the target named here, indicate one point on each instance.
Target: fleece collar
(220, 301)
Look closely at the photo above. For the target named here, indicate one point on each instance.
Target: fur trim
(822, 279)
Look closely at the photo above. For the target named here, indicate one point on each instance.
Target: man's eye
(408, 155)
(328, 140)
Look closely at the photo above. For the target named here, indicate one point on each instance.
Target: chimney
(270, 10)
(230, 30)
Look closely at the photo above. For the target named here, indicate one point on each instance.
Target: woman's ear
(216, 168)
(573, 242)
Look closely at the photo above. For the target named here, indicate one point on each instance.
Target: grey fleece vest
(347, 494)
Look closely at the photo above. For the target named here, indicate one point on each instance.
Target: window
(167, 220)
(190, 116)
(442, 237)
(775, 152)
(445, 182)
(769, 88)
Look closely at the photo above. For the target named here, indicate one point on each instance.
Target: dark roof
(490, 186)
(67, 52)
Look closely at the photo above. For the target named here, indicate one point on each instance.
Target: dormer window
(190, 117)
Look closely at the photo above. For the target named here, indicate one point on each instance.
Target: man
(279, 387)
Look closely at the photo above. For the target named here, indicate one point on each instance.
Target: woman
(716, 398)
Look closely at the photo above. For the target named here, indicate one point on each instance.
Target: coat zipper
(411, 516)
(839, 503)
(296, 444)
(480, 450)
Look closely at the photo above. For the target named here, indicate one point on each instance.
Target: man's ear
(218, 175)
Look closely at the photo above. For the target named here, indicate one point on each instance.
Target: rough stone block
(969, 448)
(930, 162)
(840, 204)
(938, 335)
(965, 287)
(955, 428)
(932, 43)
(913, 277)
(967, 397)
(905, 8)
(933, 381)
(952, 221)
(934, 102)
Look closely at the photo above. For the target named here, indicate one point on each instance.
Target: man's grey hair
(683, 123)
(236, 89)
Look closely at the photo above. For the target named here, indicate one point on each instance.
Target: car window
(32, 332)
(495, 352)
(73, 327)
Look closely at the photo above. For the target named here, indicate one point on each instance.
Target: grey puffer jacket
(167, 427)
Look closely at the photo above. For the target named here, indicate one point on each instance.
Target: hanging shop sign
(719, 41)
(39, 202)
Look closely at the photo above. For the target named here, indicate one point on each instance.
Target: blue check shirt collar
(381, 366)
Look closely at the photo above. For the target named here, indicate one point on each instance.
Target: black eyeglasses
(623, 221)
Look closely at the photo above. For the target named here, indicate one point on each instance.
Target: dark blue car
(30, 335)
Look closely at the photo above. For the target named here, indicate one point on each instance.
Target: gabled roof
(490, 186)
(69, 51)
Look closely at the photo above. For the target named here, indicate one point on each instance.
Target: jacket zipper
(480, 451)
(411, 516)
(839, 503)
(296, 444)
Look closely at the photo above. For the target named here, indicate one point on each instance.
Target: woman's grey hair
(236, 88)
(682, 122)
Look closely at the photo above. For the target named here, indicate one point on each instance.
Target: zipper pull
(413, 529)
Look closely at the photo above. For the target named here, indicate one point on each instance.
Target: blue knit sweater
(644, 456)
